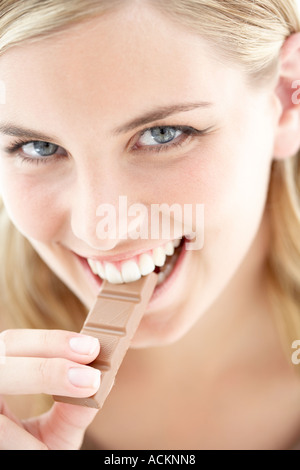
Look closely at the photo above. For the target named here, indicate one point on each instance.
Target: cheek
(225, 178)
(229, 175)
(235, 194)
(237, 173)
(33, 207)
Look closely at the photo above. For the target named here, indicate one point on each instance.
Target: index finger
(49, 343)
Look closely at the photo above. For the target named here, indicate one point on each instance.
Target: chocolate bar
(114, 319)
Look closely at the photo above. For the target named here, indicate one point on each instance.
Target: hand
(51, 362)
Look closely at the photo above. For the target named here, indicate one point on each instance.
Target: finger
(50, 343)
(51, 375)
(63, 427)
(13, 437)
(4, 410)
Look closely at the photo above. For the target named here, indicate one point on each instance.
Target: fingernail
(86, 345)
(86, 377)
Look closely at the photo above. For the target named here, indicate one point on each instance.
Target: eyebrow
(159, 114)
(17, 131)
(155, 115)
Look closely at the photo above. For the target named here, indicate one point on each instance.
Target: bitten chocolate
(114, 320)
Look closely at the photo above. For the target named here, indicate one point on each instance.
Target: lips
(161, 259)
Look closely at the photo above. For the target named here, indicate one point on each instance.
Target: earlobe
(287, 139)
(287, 142)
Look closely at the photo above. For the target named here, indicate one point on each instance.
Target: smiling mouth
(160, 260)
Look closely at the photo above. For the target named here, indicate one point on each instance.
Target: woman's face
(131, 105)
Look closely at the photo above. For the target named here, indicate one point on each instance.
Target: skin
(227, 170)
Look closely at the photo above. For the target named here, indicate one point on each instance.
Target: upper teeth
(132, 269)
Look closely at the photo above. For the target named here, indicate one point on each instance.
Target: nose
(95, 216)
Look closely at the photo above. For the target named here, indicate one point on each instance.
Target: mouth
(163, 260)
(160, 260)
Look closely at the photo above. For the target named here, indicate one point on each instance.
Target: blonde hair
(248, 33)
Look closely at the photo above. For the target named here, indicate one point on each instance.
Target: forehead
(122, 62)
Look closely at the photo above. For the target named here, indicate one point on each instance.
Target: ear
(287, 139)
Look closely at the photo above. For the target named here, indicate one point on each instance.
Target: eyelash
(18, 144)
(186, 133)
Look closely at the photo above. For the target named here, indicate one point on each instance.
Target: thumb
(64, 425)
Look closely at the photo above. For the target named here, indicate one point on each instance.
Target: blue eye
(159, 135)
(36, 151)
(40, 149)
(163, 138)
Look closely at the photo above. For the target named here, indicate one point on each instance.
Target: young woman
(180, 102)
